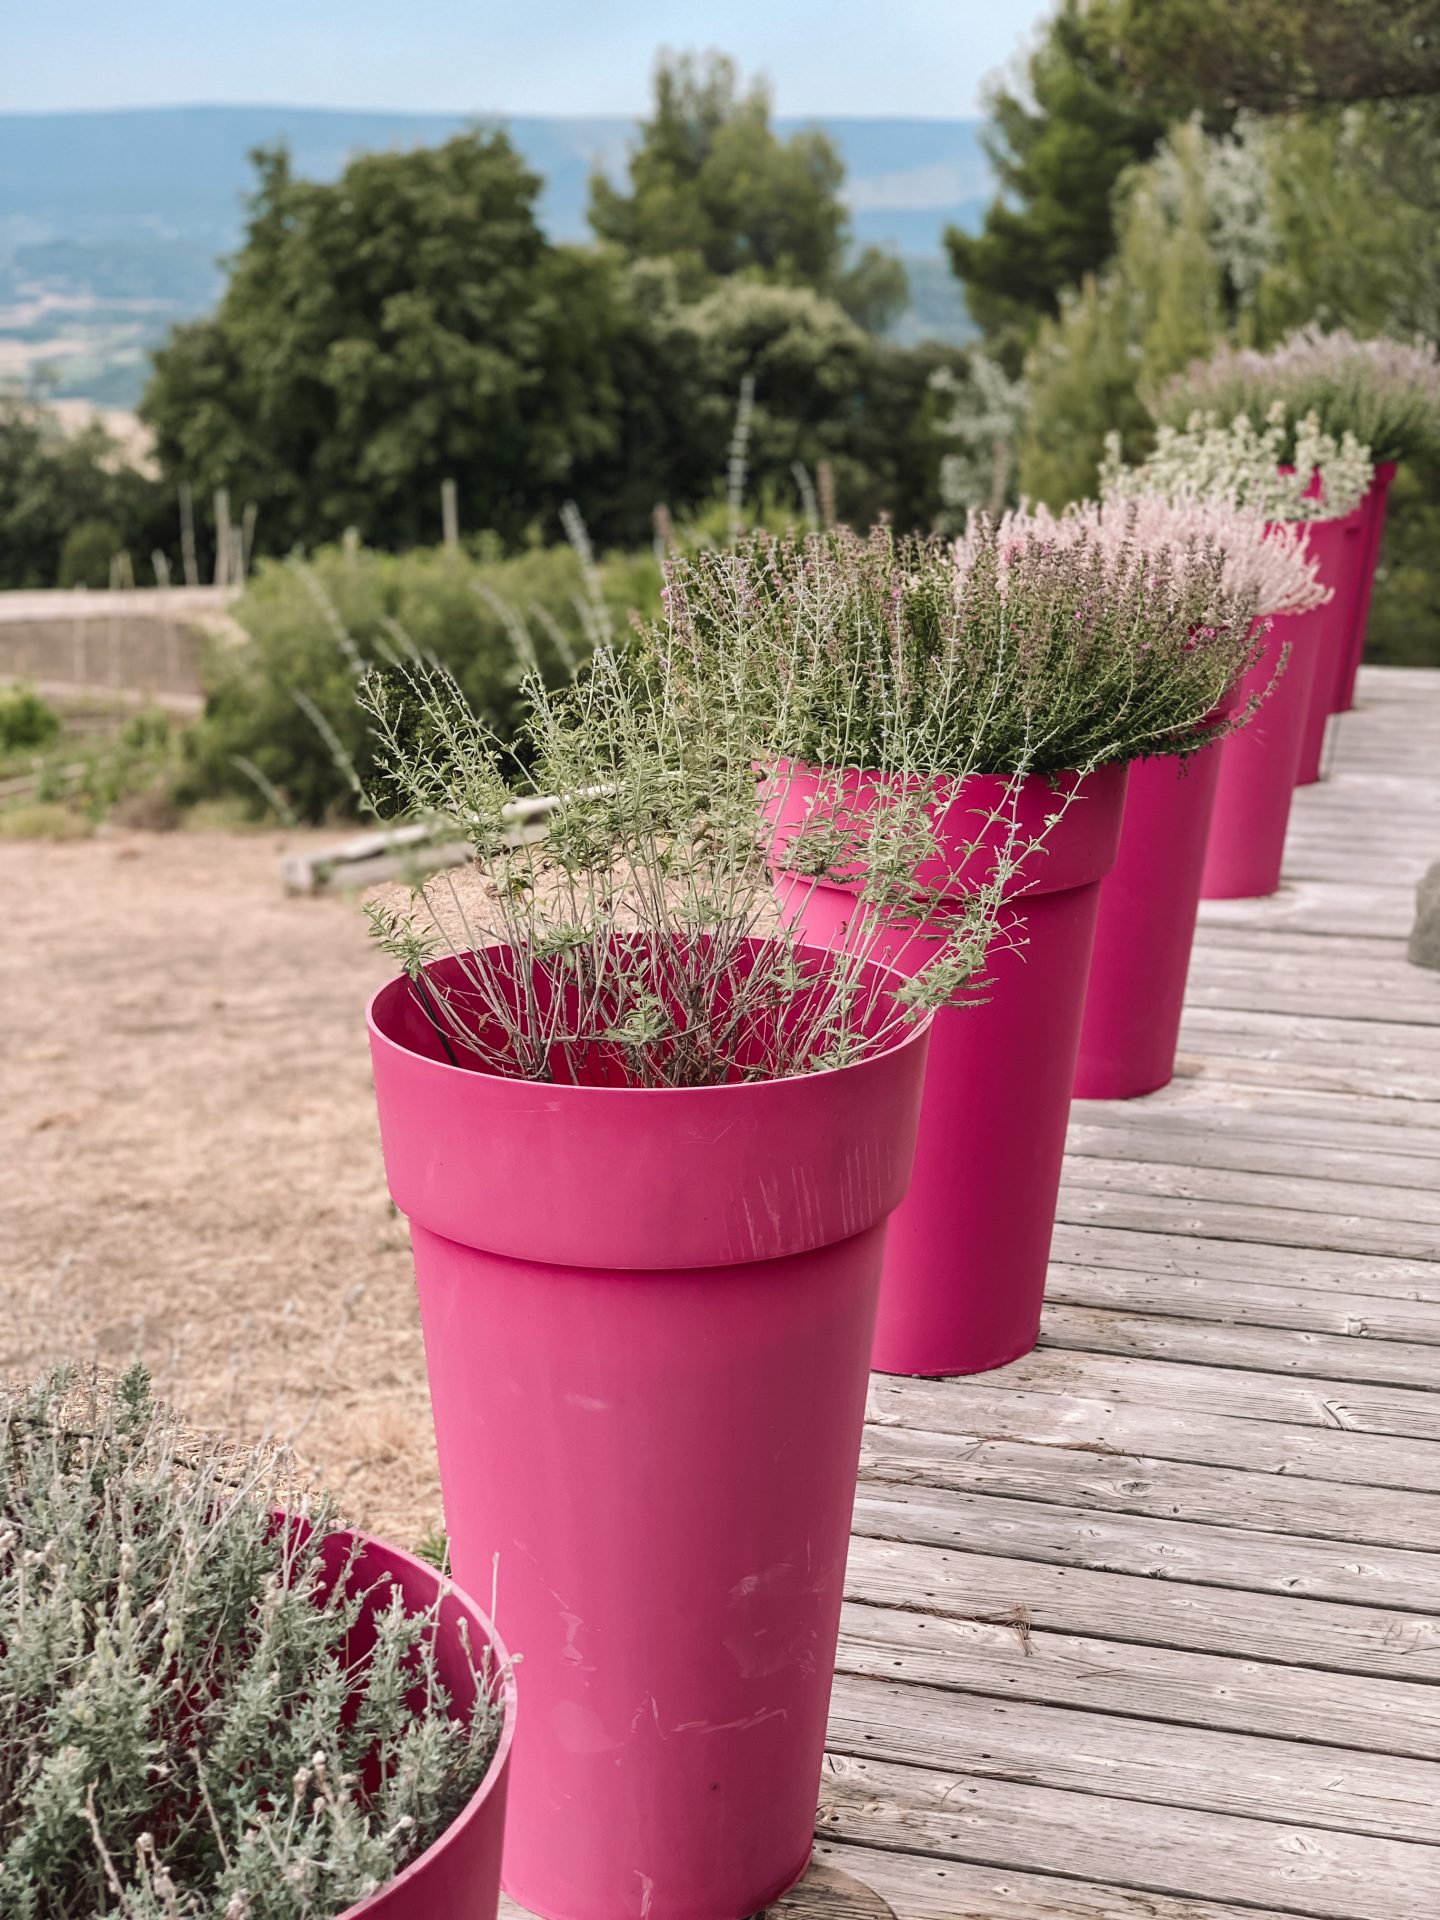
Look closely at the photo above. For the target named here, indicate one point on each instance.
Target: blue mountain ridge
(112, 224)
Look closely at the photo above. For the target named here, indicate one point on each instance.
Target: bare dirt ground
(189, 1163)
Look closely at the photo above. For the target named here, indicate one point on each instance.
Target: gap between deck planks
(1147, 1625)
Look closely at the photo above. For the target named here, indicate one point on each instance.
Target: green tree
(824, 391)
(1277, 55)
(88, 554)
(1353, 197)
(1059, 145)
(404, 325)
(715, 189)
(51, 481)
(1157, 305)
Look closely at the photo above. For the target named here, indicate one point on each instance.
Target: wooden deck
(1147, 1626)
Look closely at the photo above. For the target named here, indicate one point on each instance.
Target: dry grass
(192, 1164)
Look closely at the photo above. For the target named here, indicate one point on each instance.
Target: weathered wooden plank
(1278, 1226)
(1318, 1873)
(1223, 1392)
(1353, 991)
(1271, 1349)
(1322, 907)
(1202, 1099)
(1238, 1304)
(1290, 1191)
(919, 1887)
(1356, 1004)
(1253, 1147)
(1319, 857)
(1135, 1609)
(1234, 935)
(1154, 1549)
(1352, 1045)
(984, 1407)
(1413, 1047)
(1242, 1069)
(1152, 1761)
(1024, 1662)
(1093, 1482)
(830, 1891)
(1330, 1269)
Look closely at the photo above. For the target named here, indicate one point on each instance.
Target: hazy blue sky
(919, 57)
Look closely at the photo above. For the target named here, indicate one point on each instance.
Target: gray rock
(1424, 948)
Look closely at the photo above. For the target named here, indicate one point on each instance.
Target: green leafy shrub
(281, 717)
(25, 720)
(85, 559)
(53, 484)
(185, 1736)
(1404, 628)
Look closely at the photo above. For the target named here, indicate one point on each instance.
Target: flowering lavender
(995, 657)
(1269, 563)
(1384, 392)
(1277, 473)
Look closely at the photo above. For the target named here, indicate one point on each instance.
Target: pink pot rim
(397, 982)
(654, 1178)
(1068, 862)
(443, 1586)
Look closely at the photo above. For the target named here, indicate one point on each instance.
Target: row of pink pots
(649, 1315)
(969, 1244)
(1210, 826)
(1259, 764)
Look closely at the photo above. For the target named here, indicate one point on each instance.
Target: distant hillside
(111, 224)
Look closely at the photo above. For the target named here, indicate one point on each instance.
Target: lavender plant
(1386, 393)
(636, 942)
(1269, 563)
(1002, 655)
(1270, 472)
(186, 1736)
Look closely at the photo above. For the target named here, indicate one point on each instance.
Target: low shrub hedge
(311, 625)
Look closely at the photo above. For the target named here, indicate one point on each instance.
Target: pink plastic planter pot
(647, 1321)
(1258, 763)
(1342, 569)
(1373, 508)
(968, 1248)
(458, 1876)
(1146, 927)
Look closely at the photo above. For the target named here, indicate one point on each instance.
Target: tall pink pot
(968, 1247)
(1373, 508)
(1259, 762)
(1342, 569)
(457, 1877)
(647, 1320)
(1149, 901)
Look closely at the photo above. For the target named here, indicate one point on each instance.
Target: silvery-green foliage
(184, 1739)
(1237, 186)
(983, 425)
(1267, 471)
(993, 656)
(636, 941)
